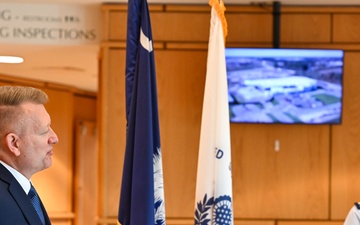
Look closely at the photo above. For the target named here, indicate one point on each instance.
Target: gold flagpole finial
(220, 9)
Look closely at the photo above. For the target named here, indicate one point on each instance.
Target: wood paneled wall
(312, 180)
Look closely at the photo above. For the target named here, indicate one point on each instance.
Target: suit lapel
(46, 216)
(24, 203)
(21, 198)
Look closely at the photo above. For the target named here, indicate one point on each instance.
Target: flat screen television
(285, 86)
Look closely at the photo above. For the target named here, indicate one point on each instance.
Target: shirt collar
(23, 181)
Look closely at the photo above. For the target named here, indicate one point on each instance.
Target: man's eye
(45, 132)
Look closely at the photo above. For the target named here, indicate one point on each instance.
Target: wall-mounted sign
(60, 24)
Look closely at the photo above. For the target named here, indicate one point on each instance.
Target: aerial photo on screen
(285, 85)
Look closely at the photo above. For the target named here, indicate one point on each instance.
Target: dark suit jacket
(15, 205)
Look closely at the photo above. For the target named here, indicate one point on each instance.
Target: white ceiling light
(11, 59)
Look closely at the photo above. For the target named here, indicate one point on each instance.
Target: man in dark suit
(26, 140)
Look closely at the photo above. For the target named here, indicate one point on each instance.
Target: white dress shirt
(23, 181)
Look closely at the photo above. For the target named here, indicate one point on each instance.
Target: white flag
(213, 202)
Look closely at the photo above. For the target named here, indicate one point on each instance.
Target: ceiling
(76, 64)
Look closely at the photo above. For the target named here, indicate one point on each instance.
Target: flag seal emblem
(223, 210)
(222, 214)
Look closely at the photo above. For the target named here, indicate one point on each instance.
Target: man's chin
(48, 162)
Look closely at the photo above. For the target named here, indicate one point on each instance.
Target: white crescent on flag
(145, 42)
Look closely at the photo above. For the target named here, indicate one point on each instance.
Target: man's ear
(12, 142)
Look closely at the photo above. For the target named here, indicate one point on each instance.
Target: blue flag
(142, 192)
